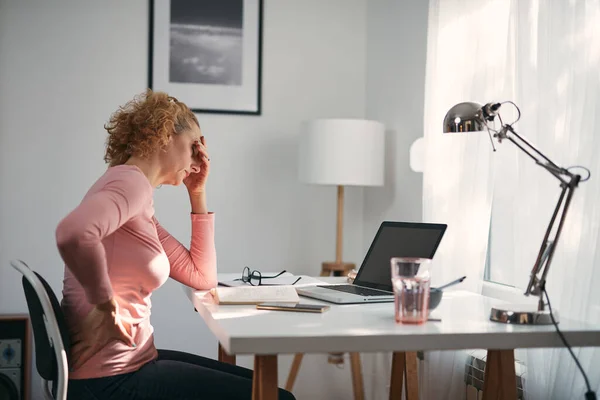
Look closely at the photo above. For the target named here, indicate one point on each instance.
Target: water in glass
(410, 280)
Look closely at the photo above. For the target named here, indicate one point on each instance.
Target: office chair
(50, 332)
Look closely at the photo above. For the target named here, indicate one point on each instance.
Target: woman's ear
(170, 140)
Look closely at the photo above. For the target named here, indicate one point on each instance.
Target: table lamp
(341, 152)
(472, 117)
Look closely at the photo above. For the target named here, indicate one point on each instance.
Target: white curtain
(544, 56)
(558, 91)
(467, 60)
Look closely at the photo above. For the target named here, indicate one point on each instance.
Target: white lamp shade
(348, 152)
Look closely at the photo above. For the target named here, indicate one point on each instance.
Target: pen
(459, 280)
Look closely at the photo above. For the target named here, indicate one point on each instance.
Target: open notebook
(254, 294)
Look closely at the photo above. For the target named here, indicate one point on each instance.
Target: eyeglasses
(255, 278)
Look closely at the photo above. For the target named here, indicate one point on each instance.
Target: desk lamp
(472, 117)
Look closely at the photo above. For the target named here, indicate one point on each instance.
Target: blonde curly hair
(144, 125)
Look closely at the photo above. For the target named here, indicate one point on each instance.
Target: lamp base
(335, 358)
(526, 315)
(338, 269)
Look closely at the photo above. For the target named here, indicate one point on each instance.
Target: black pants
(174, 375)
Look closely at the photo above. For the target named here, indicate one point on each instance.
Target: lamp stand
(537, 284)
(338, 267)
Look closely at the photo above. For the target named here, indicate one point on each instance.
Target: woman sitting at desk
(116, 254)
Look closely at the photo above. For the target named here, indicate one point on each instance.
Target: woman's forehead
(195, 133)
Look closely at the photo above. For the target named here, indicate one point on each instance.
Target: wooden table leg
(264, 380)
(357, 378)
(294, 371)
(411, 375)
(398, 366)
(404, 368)
(500, 382)
(224, 357)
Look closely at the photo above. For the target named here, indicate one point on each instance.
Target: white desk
(371, 328)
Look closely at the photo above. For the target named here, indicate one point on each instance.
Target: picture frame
(207, 53)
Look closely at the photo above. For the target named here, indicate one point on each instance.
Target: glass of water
(411, 280)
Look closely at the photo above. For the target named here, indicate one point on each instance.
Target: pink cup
(411, 281)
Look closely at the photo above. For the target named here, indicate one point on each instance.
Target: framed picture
(207, 53)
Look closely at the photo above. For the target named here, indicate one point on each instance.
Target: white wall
(396, 52)
(66, 65)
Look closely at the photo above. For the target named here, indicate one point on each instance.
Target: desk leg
(294, 371)
(411, 376)
(224, 357)
(264, 378)
(398, 366)
(404, 368)
(357, 378)
(500, 382)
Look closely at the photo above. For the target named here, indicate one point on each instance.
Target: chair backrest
(50, 331)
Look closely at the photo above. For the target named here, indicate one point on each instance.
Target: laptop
(373, 283)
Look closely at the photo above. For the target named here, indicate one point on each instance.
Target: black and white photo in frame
(207, 53)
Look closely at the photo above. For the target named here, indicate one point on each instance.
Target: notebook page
(255, 294)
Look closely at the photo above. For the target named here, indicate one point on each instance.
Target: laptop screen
(397, 239)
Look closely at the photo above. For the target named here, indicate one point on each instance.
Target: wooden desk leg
(404, 368)
(224, 357)
(264, 378)
(500, 382)
(398, 366)
(411, 376)
(294, 371)
(357, 378)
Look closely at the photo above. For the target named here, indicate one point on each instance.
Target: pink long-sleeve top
(114, 247)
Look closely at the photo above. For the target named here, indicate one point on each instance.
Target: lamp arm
(540, 159)
(568, 183)
(549, 244)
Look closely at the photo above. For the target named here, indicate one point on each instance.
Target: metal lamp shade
(464, 117)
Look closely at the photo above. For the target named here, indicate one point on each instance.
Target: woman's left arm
(196, 267)
(198, 203)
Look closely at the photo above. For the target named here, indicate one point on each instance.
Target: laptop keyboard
(361, 291)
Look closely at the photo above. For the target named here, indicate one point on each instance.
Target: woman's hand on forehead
(202, 151)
